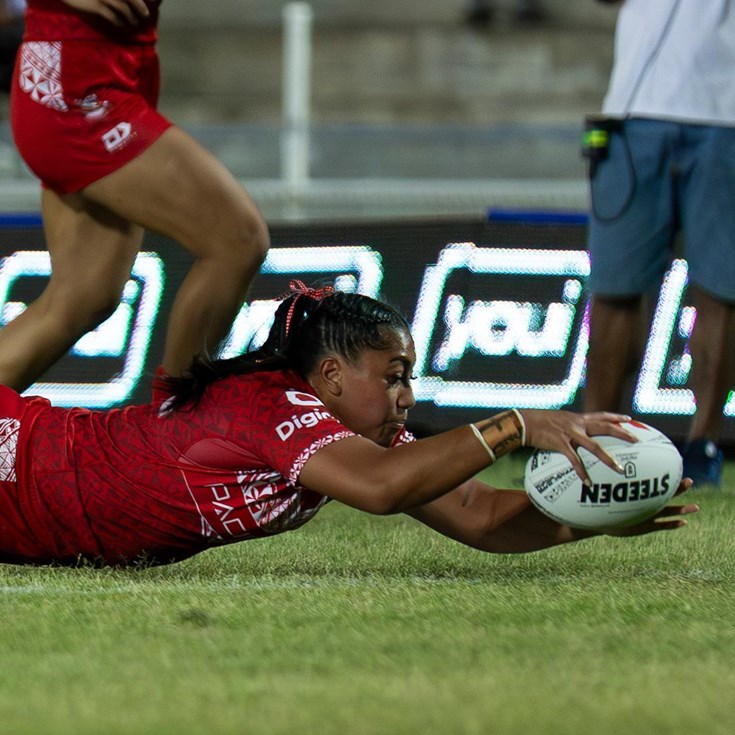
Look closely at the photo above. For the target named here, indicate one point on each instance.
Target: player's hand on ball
(565, 432)
(668, 518)
(611, 498)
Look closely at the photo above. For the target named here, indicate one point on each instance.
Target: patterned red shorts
(82, 109)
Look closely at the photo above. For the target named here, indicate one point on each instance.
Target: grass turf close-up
(358, 624)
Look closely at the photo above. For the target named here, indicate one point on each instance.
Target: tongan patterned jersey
(140, 483)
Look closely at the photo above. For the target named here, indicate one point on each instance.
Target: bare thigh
(92, 252)
(179, 189)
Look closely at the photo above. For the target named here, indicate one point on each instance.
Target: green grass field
(357, 625)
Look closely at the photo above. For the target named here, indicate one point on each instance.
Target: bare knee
(239, 243)
(258, 237)
(247, 243)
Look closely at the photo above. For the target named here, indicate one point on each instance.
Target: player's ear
(331, 375)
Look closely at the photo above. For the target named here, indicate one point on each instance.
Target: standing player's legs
(92, 251)
(711, 377)
(180, 190)
(707, 166)
(631, 228)
(616, 339)
(144, 174)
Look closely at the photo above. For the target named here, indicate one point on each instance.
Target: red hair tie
(299, 288)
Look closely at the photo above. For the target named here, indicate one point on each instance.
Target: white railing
(297, 24)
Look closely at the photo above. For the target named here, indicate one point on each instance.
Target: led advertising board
(498, 307)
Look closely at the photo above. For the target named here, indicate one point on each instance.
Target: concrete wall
(387, 62)
(264, 13)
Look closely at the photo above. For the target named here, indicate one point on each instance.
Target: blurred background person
(11, 33)
(664, 165)
(484, 12)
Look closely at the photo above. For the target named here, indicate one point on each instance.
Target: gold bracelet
(481, 439)
(503, 433)
(521, 425)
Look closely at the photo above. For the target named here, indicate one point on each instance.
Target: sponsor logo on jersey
(299, 398)
(303, 421)
(116, 138)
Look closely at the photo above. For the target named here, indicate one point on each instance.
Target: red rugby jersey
(54, 20)
(125, 484)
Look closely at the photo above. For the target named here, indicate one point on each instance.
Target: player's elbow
(380, 504)
(386, 499)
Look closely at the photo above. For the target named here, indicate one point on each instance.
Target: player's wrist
(500, 434)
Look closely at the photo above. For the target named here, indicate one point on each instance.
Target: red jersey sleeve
(286, 422)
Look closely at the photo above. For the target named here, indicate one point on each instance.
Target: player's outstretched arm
(505, 521)
(118, 12)
(359, 473)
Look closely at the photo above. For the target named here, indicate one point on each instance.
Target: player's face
(376, 391)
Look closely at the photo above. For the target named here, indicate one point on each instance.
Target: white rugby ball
(652, 473)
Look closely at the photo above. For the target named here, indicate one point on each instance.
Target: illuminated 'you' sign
(447, 327)
(493, 327)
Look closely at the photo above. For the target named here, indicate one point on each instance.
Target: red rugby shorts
(82, 109)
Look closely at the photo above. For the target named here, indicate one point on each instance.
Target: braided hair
(308, 324)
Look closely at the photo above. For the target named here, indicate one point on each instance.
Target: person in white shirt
(663, 166)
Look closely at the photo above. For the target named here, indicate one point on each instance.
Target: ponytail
(308, 324)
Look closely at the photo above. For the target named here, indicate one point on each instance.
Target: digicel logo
(306, 420)
(299, 398)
